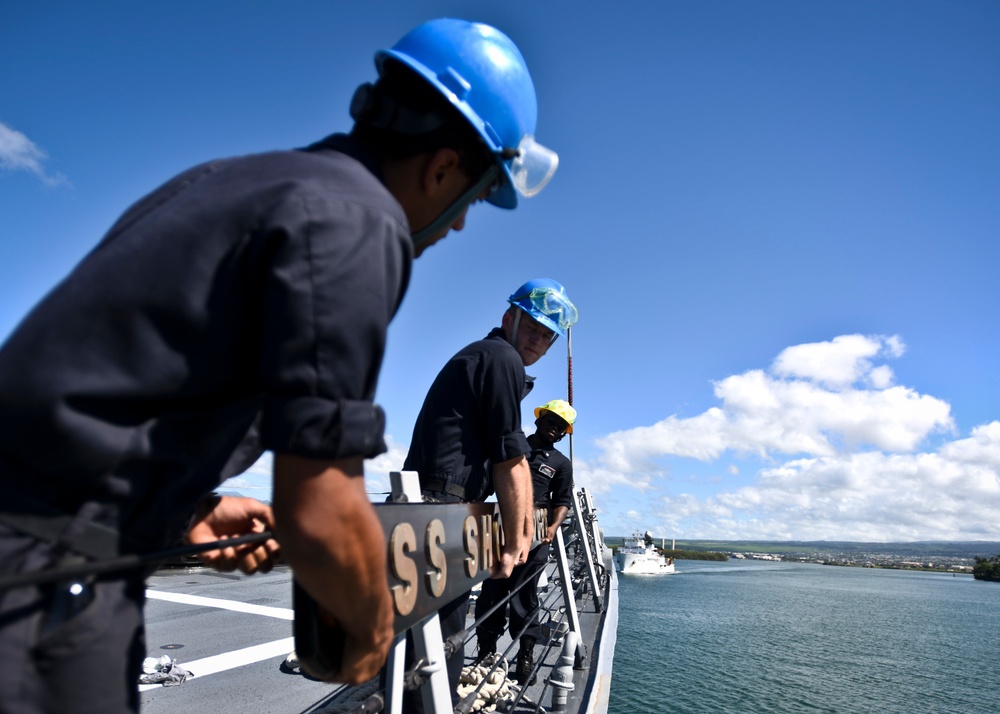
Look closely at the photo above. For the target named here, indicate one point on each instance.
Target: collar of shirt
(345, 144)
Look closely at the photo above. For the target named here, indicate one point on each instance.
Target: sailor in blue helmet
(467, 442)
(484, 78)
(251, 290)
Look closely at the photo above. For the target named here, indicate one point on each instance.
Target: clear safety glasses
(533, 167)
(554, 305)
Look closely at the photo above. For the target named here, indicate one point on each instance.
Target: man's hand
(223, 517)
(558, 516)
(333, 539)
(512, 481)
(508, 561)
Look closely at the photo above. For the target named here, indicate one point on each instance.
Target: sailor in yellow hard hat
(562, 409)
(552, 485)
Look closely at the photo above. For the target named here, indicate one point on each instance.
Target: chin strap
(513, 333)
(517, 323)
(453, 211)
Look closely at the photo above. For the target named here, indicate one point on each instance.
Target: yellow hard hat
(562, 409)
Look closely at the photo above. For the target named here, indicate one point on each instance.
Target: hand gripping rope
(125, 562)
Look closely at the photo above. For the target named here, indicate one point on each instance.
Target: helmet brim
(541, 320)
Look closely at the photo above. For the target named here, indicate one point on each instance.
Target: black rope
(372, 705)
(125, 562)
(546, 605)
(548, 645)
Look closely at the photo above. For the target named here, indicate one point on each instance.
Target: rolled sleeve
(503, 386)
(562, 486)
(319, 428)
(509, 446)
(339, 270)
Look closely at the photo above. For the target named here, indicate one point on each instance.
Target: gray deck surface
(237, 654)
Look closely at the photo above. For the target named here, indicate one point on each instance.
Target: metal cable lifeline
(412, 677)
(420, 673)
(553, 637)
(125, 562)
(557, 627)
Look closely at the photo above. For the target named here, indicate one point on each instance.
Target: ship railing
(593, 550)
(467, 549)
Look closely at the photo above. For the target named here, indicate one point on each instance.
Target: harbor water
(741, 637)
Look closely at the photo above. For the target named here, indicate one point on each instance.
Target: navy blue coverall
(470, 419)
(258, 287)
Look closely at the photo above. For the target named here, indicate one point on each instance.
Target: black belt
(77, 531)
(437, 484)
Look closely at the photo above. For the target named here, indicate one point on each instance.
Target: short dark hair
(400, 86)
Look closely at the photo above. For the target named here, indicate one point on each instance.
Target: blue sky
(779, 222)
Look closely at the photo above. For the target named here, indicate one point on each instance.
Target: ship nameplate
(438, 551)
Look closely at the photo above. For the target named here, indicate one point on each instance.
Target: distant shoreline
(932, 556)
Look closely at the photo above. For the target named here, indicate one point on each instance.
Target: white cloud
(257, 479)
(237, 483)
(255, 482)
(819, 400)
(377, 470)
(881, 377)
(865, 496)
(838, 363)
(602, 479)
(842, 449)
(19, 153)
(981, 449)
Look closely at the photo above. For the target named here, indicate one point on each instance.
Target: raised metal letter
(471, 546)
(402, 541)
(438, 576)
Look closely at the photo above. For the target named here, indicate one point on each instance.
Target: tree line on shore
(678, 553)
(693, 554)
(987, 569)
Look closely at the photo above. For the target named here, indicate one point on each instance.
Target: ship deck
(233, 632)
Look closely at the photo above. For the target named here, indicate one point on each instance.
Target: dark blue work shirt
(551, 478)
(254, 286)
(470, 420)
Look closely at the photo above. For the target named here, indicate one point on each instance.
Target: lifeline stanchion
(125, 562)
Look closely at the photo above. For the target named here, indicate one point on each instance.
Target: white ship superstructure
(638, 556)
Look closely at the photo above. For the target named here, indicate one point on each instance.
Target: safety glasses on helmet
(555, 306)
(533, 167)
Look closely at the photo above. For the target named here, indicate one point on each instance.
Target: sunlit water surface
(750, 636)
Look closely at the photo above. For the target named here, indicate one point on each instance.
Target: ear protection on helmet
(373, 107)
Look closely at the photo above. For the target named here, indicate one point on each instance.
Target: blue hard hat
(547, 302)
(482, 73)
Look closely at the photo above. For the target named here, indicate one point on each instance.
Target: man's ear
(507, 322)
(440, 170)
